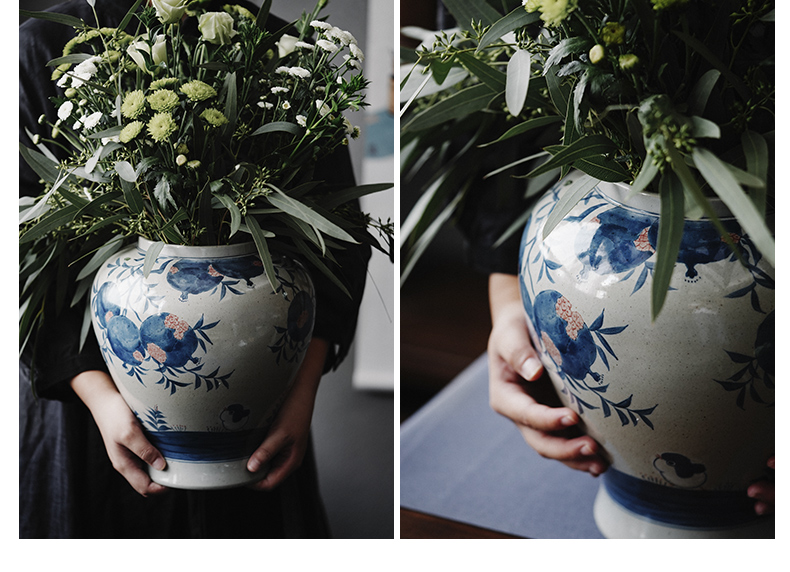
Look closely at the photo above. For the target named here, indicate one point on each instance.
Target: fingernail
(160, 464)
(567, 421)
(530, 368)
(586, 450)
(253, 465)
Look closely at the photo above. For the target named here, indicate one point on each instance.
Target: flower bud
(169, 11)
(628, 62)
(181, 160)
(216, 27)
(596, 53)
(286, 45)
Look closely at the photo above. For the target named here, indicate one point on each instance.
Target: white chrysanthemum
(282, 69)
(286, 105)
(341, 36)
(279, 89)
(356, 52)
(301, 120)
(299, 72)
(327, 46)
(322, 107)
(319, 25)
(92, 120)
(65, 110)
(304, 45)
(265, 105)
(352, 62)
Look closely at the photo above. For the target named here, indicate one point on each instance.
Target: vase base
(615, 521)
(206, 476)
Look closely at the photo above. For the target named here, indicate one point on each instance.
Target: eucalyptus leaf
(54, 17)
(579, 149)
(698, 99)
(151, 254)
(125, 171)
(279, 126)
(670, 234)
(69, 59)
(488, 75)
(233, 209)
(578, 189)
(460, 104)
(301, 211)
(519, 71)
(351, 193)
(755, 149)
(262, 246)
(566, 47)
(524, 127)
(701, 127)
(101, 256)
(722, 181)
(515, 19)
(467, 11)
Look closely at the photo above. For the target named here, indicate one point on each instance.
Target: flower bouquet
(189, 127)
(676, 96)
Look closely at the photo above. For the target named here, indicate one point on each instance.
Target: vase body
(203, 351)
(683, 406)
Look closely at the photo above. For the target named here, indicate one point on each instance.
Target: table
(464, 469)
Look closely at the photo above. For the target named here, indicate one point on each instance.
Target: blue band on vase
(204, 446)
(681, 507)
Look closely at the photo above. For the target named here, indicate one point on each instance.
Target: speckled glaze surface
(203, 351)
(683, 406)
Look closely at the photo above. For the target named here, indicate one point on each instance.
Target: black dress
(67, 486)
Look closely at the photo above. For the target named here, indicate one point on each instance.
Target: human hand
(127, 447)
(763, 493)
(286, 442)
(519, 392)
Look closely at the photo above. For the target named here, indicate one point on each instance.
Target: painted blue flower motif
(234, 417)
(294, 337)
(573, 348)
(196, 275)
(755, 370)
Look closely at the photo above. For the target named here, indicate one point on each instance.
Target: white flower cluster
(295, 71)
(82, 72)
(334, 36)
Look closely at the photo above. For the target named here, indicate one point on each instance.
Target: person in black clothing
(81, 447)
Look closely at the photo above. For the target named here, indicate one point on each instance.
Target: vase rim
(212, 251)
(650, 202)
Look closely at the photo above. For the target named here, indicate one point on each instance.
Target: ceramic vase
(683, 406)
(204, 351)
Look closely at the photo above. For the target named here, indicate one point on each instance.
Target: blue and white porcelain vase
(204, 351)
(684, 405)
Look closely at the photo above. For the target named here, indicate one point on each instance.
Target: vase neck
(200, 251)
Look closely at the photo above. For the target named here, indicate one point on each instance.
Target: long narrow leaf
(295, 208)
(468, 11)
(461, 104)
(579, 189)
(150, 257)
(488, 75)
(670, 234)
(516, 19)
(579, 149)
(54, 17)
(100, 256)
(519, 71)
(235, 213)
(279, 126)
(262, 246)
(525, 126)
(755, 149)
(352, 193)
(729, 191)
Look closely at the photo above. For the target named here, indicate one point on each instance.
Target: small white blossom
(92, 120)
(265, 105)
(282, 69)
(356, 52)
(322, 107)
(286, 105)
(37, 139)
(319, 25)
(77, 125)
(326, 45)
(65, 110)
(279, 89)
(304, 45)
(299, 72)
(342, 36)
(301, 120)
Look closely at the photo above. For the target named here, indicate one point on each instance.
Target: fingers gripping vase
(203, 351)
(683, 406)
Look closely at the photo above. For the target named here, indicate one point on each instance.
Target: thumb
(515, 348)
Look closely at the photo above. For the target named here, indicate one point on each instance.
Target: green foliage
(192, 139)
(670, 97)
